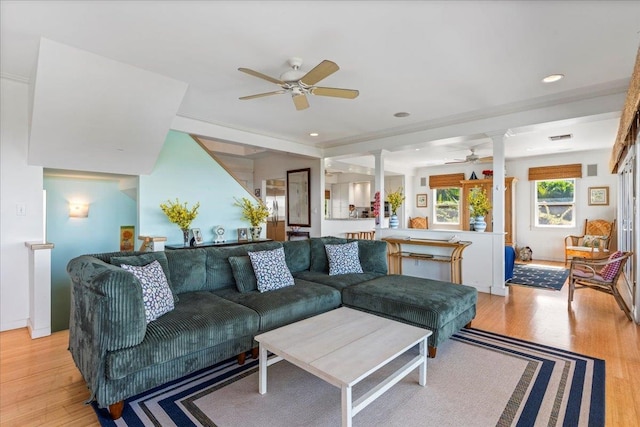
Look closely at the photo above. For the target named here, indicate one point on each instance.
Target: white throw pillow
(271, 270)
(343, 259)
(156, 294)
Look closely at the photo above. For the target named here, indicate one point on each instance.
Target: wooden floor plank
(39, 384)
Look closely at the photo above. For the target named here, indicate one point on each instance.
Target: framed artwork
(197, 236)
(421, 200)
(298, 198)
(257, 192)
(127, 232)
(598, 196)
(243, 234)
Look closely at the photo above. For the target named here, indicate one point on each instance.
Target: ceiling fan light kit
(300, 84)
(473, 158)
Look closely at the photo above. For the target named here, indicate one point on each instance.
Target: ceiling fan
(473, 158)
(300, 84)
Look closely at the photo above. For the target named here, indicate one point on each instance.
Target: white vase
(255, 233)
(479, 224)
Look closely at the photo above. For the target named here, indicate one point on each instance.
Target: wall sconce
(78, 210)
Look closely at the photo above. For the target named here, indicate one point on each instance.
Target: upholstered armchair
(594, 243)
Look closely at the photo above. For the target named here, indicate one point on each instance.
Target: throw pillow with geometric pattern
(343, 259)
(271, 270)
(156, 294)
(609, 271)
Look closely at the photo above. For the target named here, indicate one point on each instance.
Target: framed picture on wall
(421, 200)
(197, 237)
(598, 196)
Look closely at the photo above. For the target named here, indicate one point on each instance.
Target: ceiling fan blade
(260, 95)
(300, 102)
(488, 159)
(321, 71)
(261, 76)
(335, 92)
(451, 163)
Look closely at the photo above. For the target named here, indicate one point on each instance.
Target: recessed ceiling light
(553, 78)
(402, 114)
(314, 134)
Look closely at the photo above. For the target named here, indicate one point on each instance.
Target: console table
(396, 254)
(225, 243)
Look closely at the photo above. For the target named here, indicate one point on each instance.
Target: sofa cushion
(219, 273)
(156, 294)
(298, 255)
(343, 259)
(319, 261)
(593, 241)
(200, 320)
(271, 270)
(188, 272)
(144, 259)
(373, 256)
(283, 306)
(339, 282)
(243, 273)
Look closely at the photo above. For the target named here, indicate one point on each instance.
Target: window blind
(555, 172)
(446, 181)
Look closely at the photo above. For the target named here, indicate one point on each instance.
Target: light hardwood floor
(39, 384)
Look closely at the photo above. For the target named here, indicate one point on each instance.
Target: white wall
(547, 244)
(19, 184)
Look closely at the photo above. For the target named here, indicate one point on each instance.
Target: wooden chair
(594, 242)
(419, 222)
(601, 275)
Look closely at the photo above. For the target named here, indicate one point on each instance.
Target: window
(555, 203)
(447, 205)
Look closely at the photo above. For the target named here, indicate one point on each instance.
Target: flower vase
(393, 221)
(479, 224)
(255, 233)
(185, 236)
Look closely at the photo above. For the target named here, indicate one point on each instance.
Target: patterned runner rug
(477, 379)
(539, 276)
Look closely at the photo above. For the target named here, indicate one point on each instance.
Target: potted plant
(256, 214)
(480, 207)
(180, 214)
(395, 198)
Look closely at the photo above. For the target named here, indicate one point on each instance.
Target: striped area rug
(477, 379)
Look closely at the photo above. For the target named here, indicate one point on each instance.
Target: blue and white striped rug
(477, 379)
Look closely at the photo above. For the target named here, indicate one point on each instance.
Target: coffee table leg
(262, 370)
(423, 365)
(347, 406)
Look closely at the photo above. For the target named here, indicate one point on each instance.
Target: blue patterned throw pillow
(156, 294)
(271, 269)
(343, 259)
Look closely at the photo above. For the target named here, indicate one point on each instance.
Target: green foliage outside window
(555, 202)
(447, 205)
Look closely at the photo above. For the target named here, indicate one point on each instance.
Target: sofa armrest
(113, 292)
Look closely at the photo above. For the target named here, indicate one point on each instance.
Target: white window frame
(435, 207)
(536, 210)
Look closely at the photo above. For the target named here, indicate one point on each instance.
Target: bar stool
(352, 235)
(368, 235)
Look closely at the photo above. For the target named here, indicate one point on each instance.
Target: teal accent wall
(186, 171)
(109, 208)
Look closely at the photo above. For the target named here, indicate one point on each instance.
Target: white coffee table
(343, 347)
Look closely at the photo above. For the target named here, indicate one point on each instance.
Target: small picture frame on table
(421, 200)
(598, 196)
(243, 235)
(196, 237)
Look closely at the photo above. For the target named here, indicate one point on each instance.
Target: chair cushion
(188, 269)
(609, 271)
(156, 294)
(144, 259)
(593, 241)
(339, 282)
(243, 273)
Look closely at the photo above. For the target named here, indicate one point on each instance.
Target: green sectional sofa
(217, 310)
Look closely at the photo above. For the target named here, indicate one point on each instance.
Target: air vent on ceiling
(560, 137)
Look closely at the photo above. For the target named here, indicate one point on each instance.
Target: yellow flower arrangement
(179, 213)
(479, 202)
(255, 214)
(395, 198)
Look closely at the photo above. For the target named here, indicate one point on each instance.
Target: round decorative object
(218, 231)
(479, 224)
(255, 233)
(393, 221)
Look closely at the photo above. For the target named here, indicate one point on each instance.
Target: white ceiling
(464, 70)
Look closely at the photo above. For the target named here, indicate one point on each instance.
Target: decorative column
(39, 323)
(379, 184)
(498, 287)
